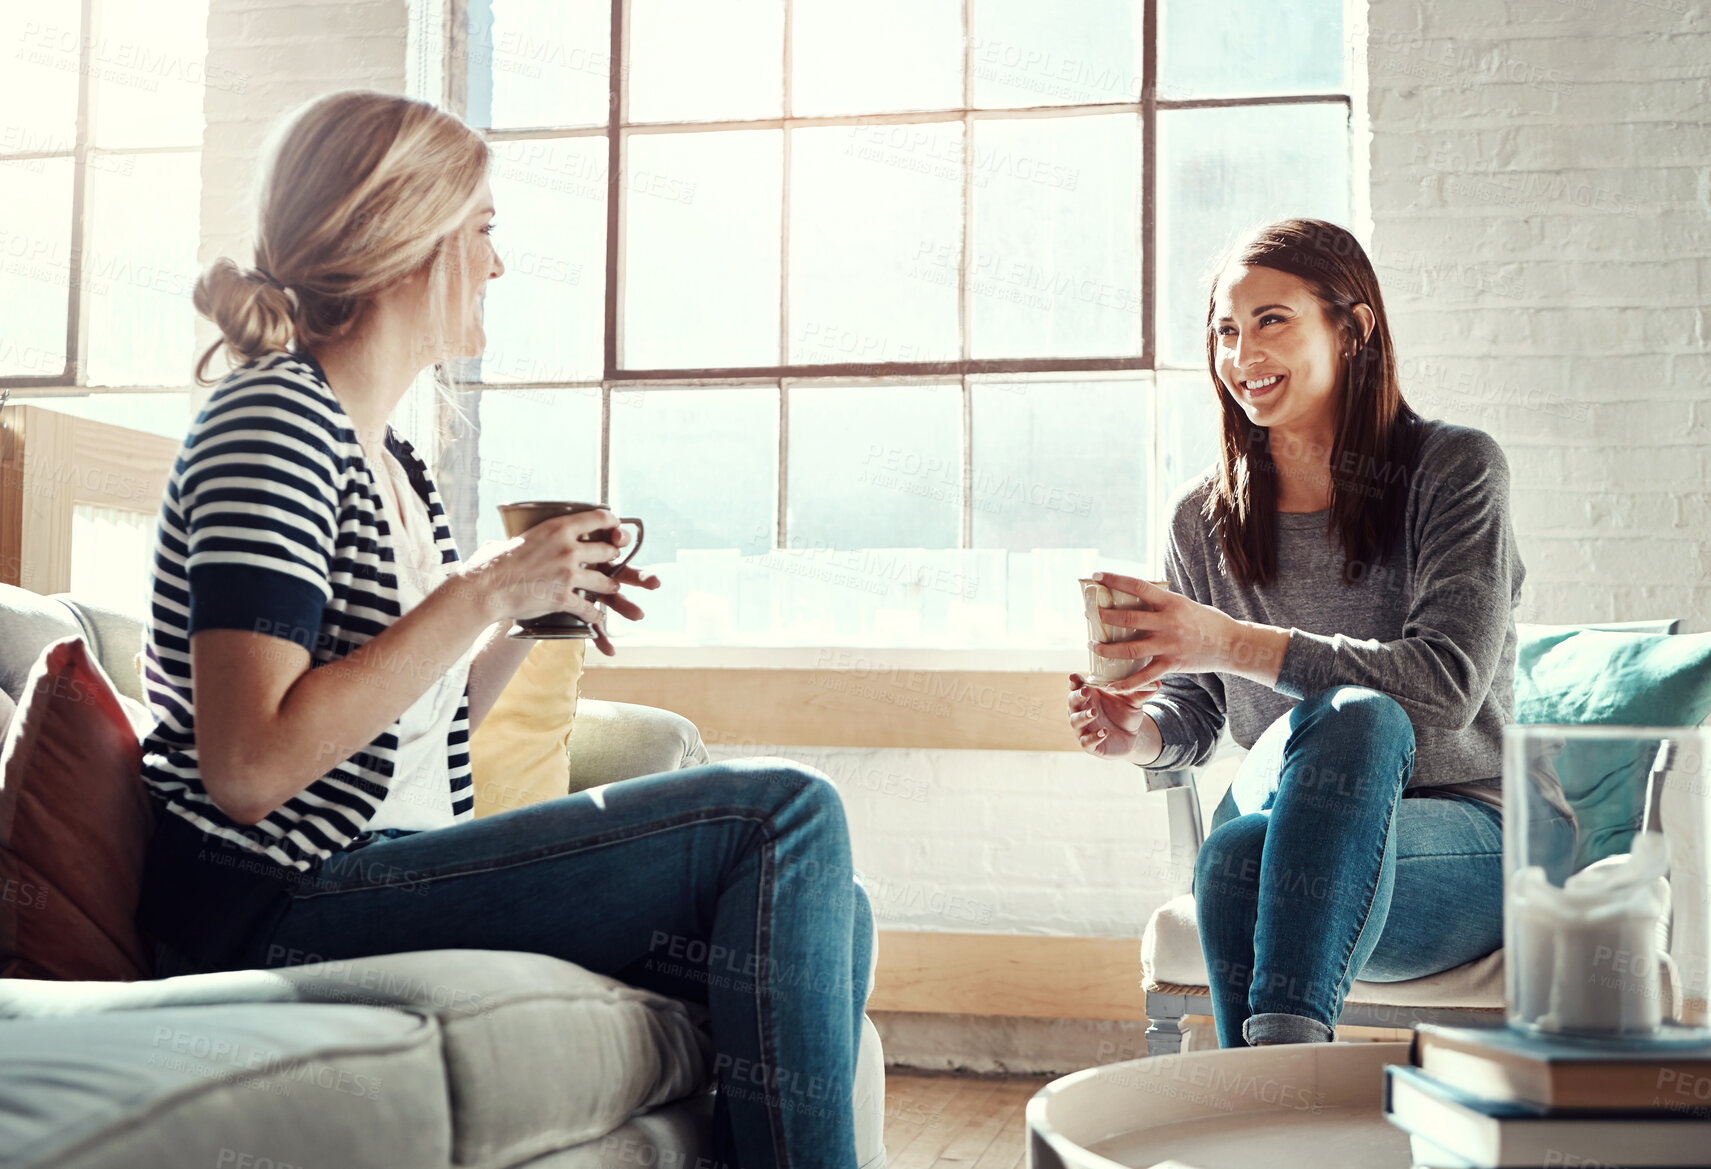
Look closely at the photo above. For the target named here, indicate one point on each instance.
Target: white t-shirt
(420, 793)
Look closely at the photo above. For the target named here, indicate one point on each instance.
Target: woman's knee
(1348, 742)
(1356, 710)
(800, 803)
(770, 782)
(1228, 862)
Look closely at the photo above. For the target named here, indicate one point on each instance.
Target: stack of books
(1478, 1098)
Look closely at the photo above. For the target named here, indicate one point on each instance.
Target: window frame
(72, 380)
(966, 370)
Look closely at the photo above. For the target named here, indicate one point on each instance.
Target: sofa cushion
(298, 1084)
(677, 1136)
(615, 741)
(517, 755)
(1171, 956)
(29, 623)
(1565, 674)
(540, 1054)
(117, 639)
(75, 822)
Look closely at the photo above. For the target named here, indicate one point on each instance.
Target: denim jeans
(1317, 871)
(728, 884)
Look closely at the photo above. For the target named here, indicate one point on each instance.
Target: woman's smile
(1262, 387)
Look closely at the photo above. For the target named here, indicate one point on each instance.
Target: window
(100, 163)
(100, 172)
(886, 317)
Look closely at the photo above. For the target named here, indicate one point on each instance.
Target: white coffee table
(1312, 1106)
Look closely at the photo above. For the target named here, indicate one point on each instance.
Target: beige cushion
(1171, 956)
(539, 1054)
(517, 756)
(303, 1084)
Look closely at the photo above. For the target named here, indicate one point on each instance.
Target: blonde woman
(318, 655)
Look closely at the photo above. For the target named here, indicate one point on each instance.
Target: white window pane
(166, 414)
(148, 76)
(702, 241)
(708, 60)
(535, 444)
(1027, 53)
(1249, 47)
(1055, 270)
(875, 467)
(545, 316)
(35, 273)
(1223, 171)
(140, 268)
(875, 57)
(698, 467)
(39, 42)
(1039, 482)
(1190, 421)
(539, 62)
(865, 232)
(110, 557)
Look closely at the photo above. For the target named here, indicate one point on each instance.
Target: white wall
(1541, 210)
(1541, 201)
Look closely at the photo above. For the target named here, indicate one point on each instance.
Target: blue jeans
(728, 884)
(1317, 871)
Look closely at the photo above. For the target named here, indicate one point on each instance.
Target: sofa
(467, 1058)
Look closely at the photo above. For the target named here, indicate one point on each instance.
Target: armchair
(1174, 970)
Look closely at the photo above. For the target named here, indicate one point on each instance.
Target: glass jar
(1607, 910)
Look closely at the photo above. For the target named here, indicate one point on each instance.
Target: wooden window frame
(72, 379)
(965, 371)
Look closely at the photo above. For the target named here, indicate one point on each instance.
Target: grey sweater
(1434, 628)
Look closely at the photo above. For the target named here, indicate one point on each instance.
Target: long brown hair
(1377, 434)
(359, 190)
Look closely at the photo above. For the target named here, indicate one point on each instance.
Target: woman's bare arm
(267, 726)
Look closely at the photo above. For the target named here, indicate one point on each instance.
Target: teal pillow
(1570, 674)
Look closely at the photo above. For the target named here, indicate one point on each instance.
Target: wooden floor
(944, 1120)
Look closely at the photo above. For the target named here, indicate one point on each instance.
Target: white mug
(1102, 671)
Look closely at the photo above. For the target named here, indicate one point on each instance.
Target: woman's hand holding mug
(1108, 720)
(1177, 634)
(541, 570)
(1180, 635)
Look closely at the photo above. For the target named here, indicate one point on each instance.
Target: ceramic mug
(1102, 671)
(519, 518)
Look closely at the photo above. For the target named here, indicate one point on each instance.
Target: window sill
(852, 658)
(855, 696)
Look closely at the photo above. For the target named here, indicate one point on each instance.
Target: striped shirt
(271, 523)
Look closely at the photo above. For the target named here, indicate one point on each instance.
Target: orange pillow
(75, 822)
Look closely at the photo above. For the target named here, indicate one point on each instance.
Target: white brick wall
(1541, 204)
(1541, 207)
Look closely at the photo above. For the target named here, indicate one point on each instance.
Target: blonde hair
(359, 190)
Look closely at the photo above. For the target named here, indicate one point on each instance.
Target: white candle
(1590, 961)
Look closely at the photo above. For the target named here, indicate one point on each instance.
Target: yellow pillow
(517, 755)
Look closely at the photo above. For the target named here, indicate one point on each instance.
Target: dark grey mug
(519, 518)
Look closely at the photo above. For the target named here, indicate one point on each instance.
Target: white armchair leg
(870, 1099)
